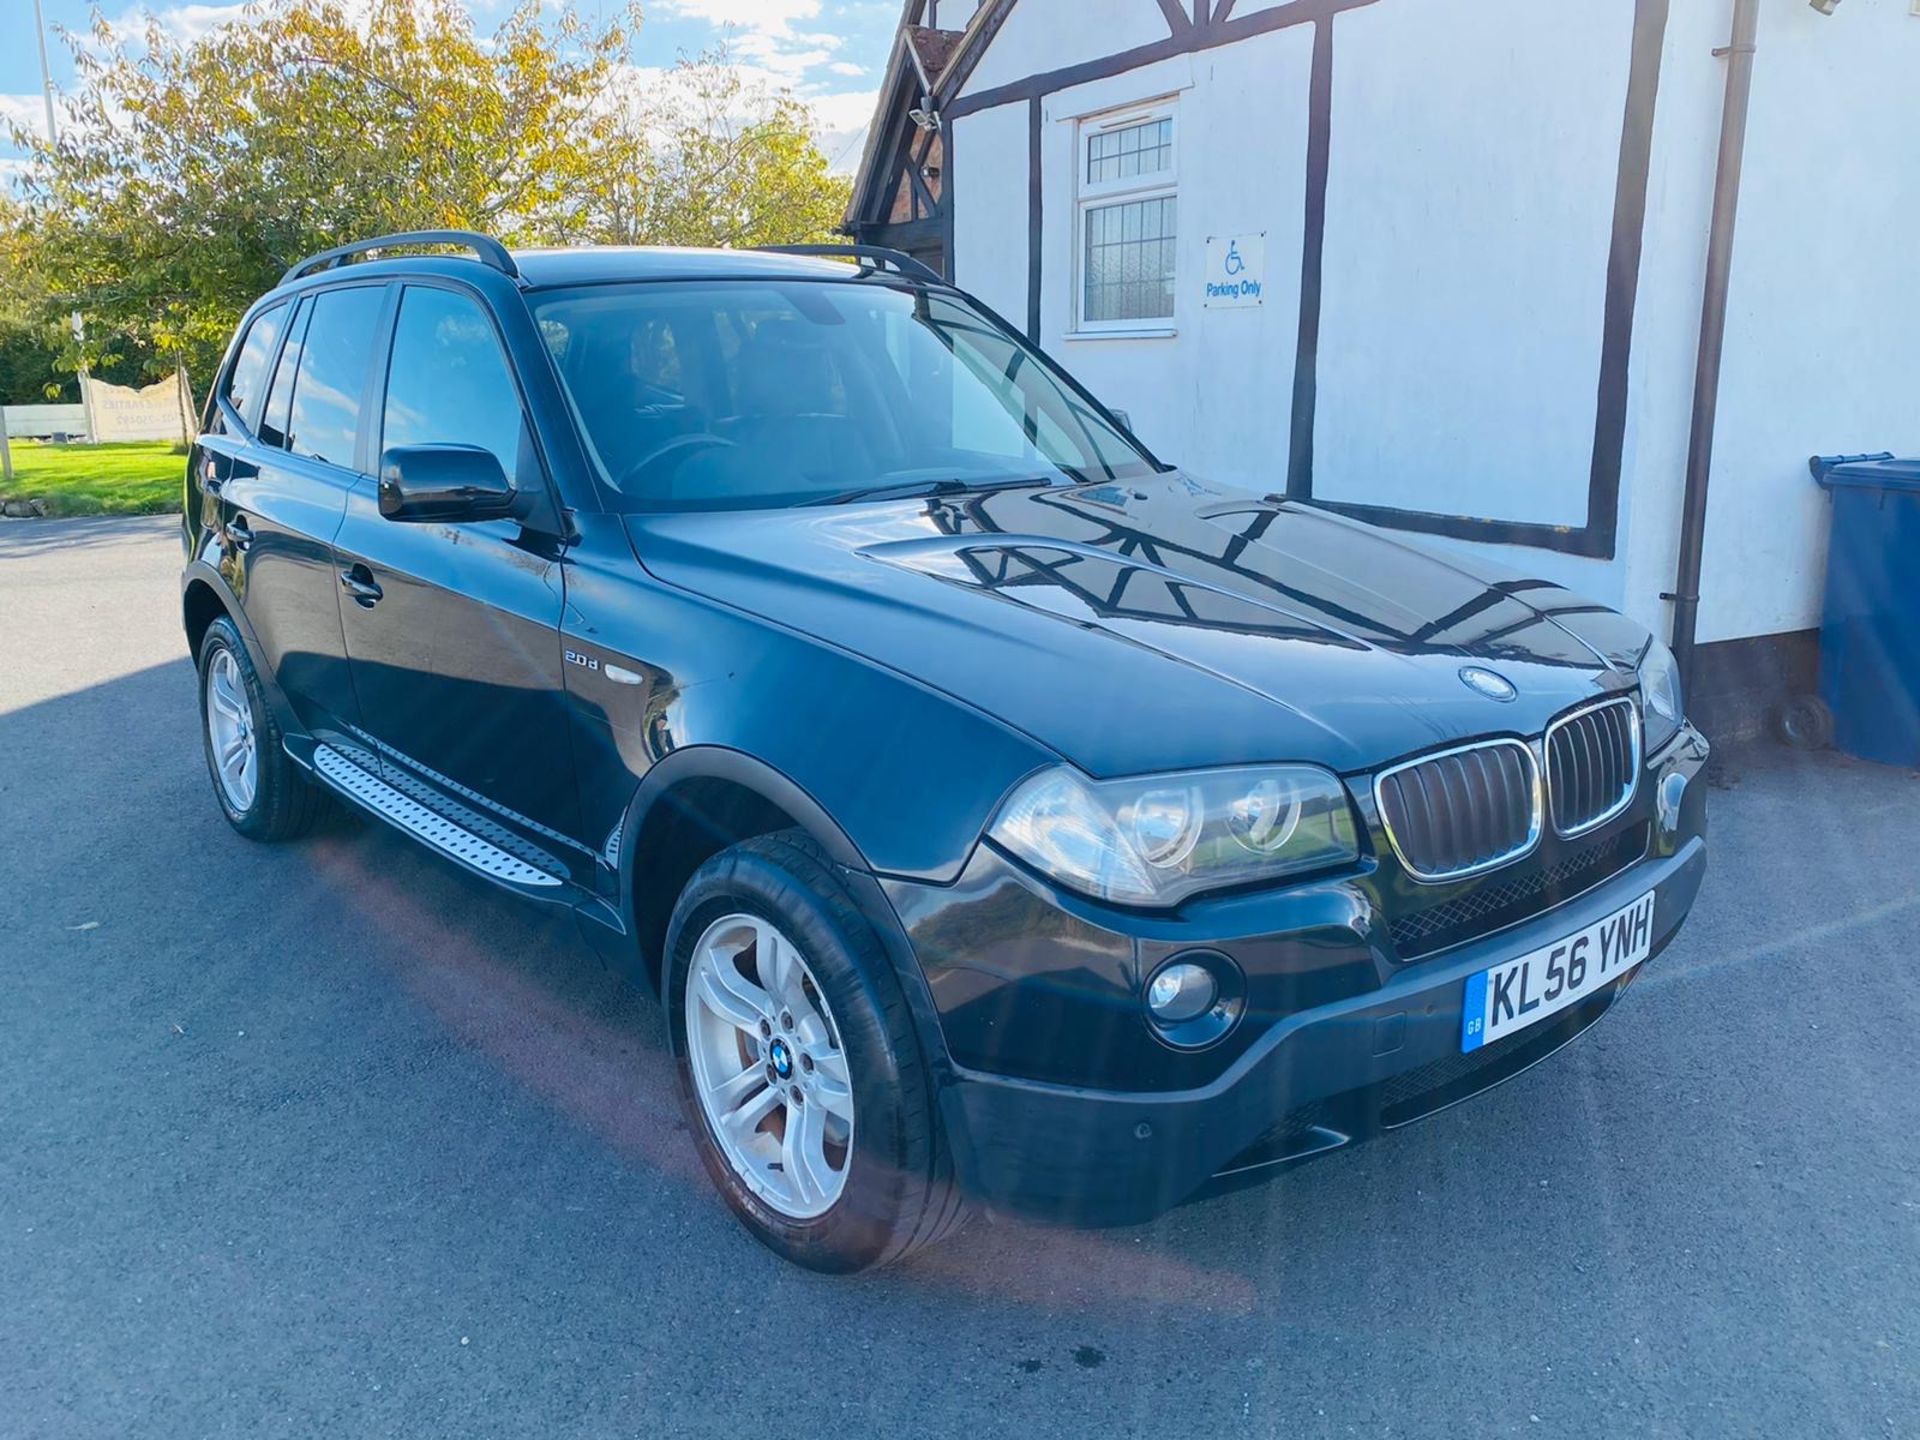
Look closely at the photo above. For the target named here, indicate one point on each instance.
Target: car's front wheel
(801, 1076)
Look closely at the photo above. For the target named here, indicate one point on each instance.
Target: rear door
(224, 447)
(453, 629)
(284, 492)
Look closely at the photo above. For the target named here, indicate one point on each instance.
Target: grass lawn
(135, 477)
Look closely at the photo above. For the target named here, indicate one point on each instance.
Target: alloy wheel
(768, 1066)
(230, 730)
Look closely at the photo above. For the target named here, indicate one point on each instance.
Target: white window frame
(1094, 195)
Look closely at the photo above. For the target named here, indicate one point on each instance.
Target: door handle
(358, 581)
(240, 532)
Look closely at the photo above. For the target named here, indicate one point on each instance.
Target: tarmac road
(329, 1139)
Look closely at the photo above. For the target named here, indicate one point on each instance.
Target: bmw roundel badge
(1487, 683)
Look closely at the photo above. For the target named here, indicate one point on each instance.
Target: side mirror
(1126, 420)
(443, 482)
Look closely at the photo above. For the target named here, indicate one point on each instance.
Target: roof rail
(489, 251)
(879, 255)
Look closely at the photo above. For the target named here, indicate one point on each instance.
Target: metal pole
(1685, 594)
(53, 138)
(46, 72)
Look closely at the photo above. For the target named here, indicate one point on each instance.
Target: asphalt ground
(329, 1139)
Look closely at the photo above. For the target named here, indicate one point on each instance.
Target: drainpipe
(1713, 330)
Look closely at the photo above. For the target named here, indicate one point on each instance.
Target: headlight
(1660, 692)
(1156, 840)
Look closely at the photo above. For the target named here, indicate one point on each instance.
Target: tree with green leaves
(719, 161)
(192, 172)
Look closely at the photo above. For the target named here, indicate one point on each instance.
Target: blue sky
(829, 52)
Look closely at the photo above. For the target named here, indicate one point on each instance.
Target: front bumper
(1312, 1083)
(1340, 1041)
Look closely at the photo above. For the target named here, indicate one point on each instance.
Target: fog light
(1181, 992)
(1673, 789)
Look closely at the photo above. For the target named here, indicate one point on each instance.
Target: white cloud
(789, 67)
(840, 118)
(842, 148)
(184, 22)
(840, 126)
(29, 112)
(763, 34)
(846, 67)
(772, 16)
(850, 110)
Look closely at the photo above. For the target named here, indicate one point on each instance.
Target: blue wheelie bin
(1870, 632)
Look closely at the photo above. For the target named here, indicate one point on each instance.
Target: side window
(334, 356)
(448, 381)
(277, 417)
(249, 376)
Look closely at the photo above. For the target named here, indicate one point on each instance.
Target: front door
(453, 630)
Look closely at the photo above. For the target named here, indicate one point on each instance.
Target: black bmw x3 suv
(1006, 819)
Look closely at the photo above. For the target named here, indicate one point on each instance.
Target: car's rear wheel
(800, 1072)
(264, 795)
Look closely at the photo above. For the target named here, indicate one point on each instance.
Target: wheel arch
(694, 803)
(206, 597)
(200, 605)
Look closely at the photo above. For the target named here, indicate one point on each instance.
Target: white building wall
(987, 180)
(1041, 35)
(1823, 332)
(1217, 393)
(1470, 195)
(1468, 227)
(948, 14)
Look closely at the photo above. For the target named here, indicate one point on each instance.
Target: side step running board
(423, 824)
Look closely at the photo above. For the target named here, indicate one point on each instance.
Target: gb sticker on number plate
(1522, 992)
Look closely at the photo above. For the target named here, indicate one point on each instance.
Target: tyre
(1803, 722)
(800, 1073)
(264, 795)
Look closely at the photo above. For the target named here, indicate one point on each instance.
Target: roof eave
(878, 129)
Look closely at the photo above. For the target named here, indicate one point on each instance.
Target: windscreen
(737, 394)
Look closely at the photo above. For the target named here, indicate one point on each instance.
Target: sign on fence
(161, 411)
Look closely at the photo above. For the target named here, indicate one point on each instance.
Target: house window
(1126, 222)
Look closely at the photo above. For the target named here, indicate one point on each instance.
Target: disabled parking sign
(1236, 271)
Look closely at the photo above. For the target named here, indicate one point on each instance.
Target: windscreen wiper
(916, 488)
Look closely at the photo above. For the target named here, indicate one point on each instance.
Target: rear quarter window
(277, 416)
(248, 379)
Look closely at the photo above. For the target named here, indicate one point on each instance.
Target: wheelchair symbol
(1234, 264)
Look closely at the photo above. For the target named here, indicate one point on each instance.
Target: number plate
(1524, 991)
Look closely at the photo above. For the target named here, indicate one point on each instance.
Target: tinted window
(250, 366)
(275, 419)
(333, 370)
(448, 382)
